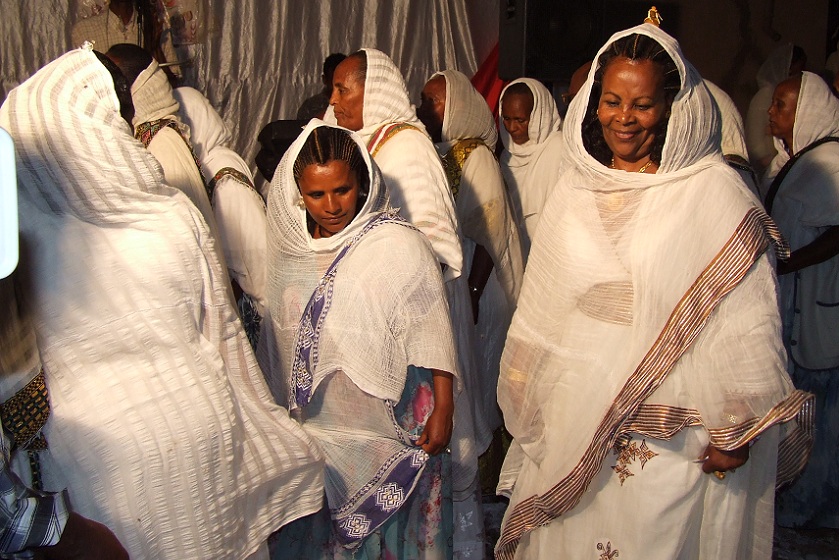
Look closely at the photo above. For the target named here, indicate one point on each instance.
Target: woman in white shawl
(461, 124)
(370, 97)
(162, 426)
(357, 341)
(529, 119)
(644, 359)
(803, 197)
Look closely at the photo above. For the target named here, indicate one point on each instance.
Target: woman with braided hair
(357, 343)
(644, 364)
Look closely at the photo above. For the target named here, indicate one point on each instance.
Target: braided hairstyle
(326, 144)
(633, 47)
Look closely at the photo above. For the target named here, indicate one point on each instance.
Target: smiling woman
(629, 107)
(645, 360)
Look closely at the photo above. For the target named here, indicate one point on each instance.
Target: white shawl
(238, 208)
(485, 218)
(153, 100)
(611, 301)
(162, 426)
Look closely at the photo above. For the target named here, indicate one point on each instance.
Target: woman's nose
(333, 204)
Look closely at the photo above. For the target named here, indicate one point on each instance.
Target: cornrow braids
(634, 47)
(327, 144)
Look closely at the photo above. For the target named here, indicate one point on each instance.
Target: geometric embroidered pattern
(389, 497)
(627, 452)
(419, 459)
(356, 525)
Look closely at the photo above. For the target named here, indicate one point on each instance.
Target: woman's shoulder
(395, 240)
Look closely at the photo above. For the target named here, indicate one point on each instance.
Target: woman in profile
(644, 363)
(357, 343)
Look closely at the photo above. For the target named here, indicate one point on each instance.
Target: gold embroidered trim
(726, 270)
(384, 134)
(455, 158)
(628, 452)
(609, 301)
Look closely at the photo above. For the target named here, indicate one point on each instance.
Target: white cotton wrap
(602, 282)
(162, 426)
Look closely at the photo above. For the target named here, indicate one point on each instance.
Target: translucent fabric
(647, 311)
(384, 310)
(162, 426)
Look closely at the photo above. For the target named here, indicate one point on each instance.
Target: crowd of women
(606, 290)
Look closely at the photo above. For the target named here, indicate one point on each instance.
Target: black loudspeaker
(549, 39)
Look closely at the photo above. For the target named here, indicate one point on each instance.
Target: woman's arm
(438, 429)
(822, 248)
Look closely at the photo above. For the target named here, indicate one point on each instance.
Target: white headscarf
(544, 120)
(152, 96)
(151, 378)
(467, 113)
(370, 336)
(816, 117)
(775, 68)
(733, 140)
(386, 98)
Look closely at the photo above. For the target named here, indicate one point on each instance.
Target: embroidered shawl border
(660, 421)
(750, 239)
(385, 133)
(380, 498)
(229, 172)
(455, 158)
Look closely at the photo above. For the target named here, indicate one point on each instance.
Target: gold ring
(719, 474)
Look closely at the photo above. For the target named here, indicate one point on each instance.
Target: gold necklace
(642, 170)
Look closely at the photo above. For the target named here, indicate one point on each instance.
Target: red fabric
(487, 82)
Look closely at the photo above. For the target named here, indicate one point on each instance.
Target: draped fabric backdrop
(257, 60)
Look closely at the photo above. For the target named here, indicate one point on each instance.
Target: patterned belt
(23, 417)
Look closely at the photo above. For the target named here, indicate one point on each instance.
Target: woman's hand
(719, 461)
(438, 428)
(438, 431)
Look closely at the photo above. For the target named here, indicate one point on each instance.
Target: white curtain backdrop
(256, 60)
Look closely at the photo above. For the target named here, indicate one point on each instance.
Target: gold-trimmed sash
(455, 158)
(385, 133)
